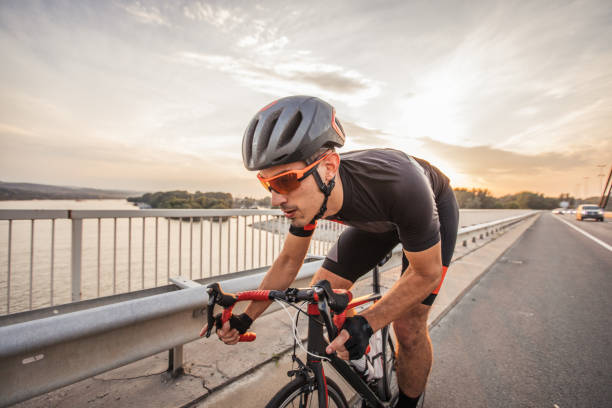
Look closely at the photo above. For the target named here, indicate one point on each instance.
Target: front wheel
(300, 394)
(387, 386)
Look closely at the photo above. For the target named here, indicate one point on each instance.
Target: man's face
(303, 203)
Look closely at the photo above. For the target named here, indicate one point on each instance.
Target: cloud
(298, 76)
(219, 17)
(504, 171)
(486, 160)
(365, 136)
(145, 14)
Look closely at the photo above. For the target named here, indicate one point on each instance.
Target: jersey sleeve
(305, 231)
(414, 210)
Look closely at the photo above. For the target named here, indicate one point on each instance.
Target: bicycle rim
(297, 394)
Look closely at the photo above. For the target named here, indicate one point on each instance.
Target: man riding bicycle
(385, 197)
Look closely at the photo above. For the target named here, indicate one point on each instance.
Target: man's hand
(230, 331)
(354, 338)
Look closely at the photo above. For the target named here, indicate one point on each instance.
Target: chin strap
(326, 190)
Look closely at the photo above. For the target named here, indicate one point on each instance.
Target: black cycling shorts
(356, 252)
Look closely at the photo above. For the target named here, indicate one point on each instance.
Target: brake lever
(212, 301)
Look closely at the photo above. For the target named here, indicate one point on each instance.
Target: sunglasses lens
(265, 184)
(285, 184)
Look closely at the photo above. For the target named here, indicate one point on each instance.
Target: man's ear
(331, 164)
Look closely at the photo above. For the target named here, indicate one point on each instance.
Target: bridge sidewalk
(247, 375)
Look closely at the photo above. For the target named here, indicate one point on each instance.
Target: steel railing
(50, 257)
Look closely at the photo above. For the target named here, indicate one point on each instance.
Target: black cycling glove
(360, 331)
(240, 322)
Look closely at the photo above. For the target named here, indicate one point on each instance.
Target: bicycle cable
(295, 331)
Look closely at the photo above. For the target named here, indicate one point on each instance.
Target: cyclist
(385, 196)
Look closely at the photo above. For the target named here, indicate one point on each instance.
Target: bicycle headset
(292, 129)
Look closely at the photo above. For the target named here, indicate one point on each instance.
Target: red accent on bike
(444, 269)
(313, 310)
(359, 301)
(325, 384)
(338, 221)
(254, 295)
(248, 336)
(227, 313)
(339, 320)
(368, 349)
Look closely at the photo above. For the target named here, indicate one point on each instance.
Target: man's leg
(415, 353)
(336, 281)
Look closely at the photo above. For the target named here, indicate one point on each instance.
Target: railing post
(175, 361)
(76, 257)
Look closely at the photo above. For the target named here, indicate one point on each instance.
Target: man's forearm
(280, 275)
(406, 293)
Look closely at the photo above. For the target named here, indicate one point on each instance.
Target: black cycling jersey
(390, 197)
(386, 189)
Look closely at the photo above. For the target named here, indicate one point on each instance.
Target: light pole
(601, 176)
(586, 187)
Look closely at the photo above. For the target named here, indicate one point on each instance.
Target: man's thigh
(336, 281)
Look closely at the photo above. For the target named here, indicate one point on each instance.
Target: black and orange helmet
(288, 130)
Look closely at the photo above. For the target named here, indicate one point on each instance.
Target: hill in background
(30, 191)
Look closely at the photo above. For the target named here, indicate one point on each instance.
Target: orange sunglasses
(289, 180)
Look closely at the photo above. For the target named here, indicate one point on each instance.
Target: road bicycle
(326, 310)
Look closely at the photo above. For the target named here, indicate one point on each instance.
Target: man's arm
(421, 278)
(280, 275)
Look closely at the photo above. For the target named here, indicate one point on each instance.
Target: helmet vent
(267, 127)
(248, 139)
(290, 129)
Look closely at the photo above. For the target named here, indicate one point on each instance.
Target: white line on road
(580, 230)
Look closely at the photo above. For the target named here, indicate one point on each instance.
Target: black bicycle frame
(317, 345)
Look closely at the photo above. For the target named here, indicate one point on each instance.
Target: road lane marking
(580, 230)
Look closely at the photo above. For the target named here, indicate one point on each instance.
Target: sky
(154, 96)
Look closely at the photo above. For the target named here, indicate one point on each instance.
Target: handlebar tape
(248, 336)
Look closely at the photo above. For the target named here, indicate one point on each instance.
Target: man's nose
(277, 199)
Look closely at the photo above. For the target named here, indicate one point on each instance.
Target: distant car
(585, 211)
(557, 211)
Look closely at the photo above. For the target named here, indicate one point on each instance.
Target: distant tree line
(482, 198)
(183, 199)
(211, 200)
(466, 198)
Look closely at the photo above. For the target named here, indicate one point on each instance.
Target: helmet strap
(326, 190)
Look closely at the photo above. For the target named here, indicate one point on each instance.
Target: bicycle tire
(290, 395)
(387, 387)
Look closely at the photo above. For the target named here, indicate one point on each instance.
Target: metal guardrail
(41, 355)
(60, 256)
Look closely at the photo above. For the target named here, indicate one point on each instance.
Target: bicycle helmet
(289, 130)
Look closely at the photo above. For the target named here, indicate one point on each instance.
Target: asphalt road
(536, 331)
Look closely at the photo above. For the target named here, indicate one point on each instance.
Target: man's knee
(412, 328)
(335, 281)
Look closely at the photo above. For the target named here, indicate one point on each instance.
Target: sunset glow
(153, 96)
